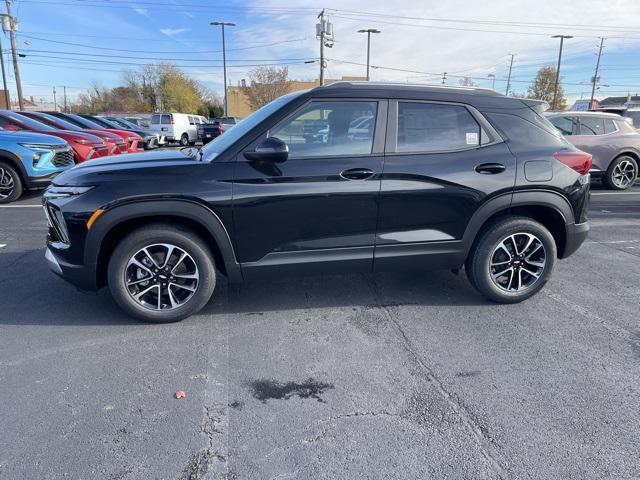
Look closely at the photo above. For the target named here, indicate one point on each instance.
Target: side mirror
(272, 149)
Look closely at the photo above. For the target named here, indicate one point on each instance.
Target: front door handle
(357, 174)
(490, 168)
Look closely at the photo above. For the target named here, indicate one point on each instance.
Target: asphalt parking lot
(403, 375)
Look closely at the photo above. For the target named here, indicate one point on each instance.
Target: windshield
(123, 123)
(224, 141)
(83, 122)
(28, 122)
(57, 122)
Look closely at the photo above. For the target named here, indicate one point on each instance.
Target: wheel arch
(547, 207)
(15, 161)
(119, 221)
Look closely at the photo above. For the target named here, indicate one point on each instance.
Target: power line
(261, 45)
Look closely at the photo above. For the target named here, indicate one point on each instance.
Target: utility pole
(555, 88)
(595, 75)
(321, 32)
(224, 60)
(368, 31)
(12, 37)
(444, 77)
(509, 77)
(55, 103)
(64, 90)
(4, 80)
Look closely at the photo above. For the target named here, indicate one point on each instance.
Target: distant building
(33, 105)
(583, 105)
(629, 100)
(238, 105)
(3, 99)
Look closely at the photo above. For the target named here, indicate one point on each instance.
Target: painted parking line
(2, 245)
(615, 193)
(20, 206)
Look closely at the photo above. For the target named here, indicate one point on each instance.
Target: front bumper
(81, 276)
(576, 233)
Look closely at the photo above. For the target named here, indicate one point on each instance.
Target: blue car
(29, 161)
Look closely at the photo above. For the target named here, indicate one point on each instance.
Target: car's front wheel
(512, 260)
(622, 173)
(184, 140)
(161, 274)
(10, 184)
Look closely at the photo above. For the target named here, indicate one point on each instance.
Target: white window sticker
(472, 138)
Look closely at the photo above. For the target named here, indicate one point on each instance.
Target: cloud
(140, 11)
(173, 31)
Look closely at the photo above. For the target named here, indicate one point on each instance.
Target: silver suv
(611, 139)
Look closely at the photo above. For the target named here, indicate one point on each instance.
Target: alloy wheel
(518, 262)
(6, 183)
(624, 174)
(161, 276)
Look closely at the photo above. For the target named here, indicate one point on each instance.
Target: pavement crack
(485, 445)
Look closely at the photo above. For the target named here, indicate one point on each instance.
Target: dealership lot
(406, 375)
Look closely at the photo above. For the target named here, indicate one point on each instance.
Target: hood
(31, 137)
(73, 135)
(121, 133)
(99, 169)
(112, 137)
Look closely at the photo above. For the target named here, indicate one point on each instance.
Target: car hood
(87, 172)
(31, 137)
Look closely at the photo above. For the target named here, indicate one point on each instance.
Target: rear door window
(155, 119)
(591, 126)
(431, 127)
(564, 124)
(609, 126)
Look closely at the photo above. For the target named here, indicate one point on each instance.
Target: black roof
(619, 100)
(469, 95)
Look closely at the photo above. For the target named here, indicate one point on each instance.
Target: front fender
(188, 209)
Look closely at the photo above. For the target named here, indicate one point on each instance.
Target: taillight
(578, 161)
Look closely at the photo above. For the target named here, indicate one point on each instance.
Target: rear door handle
(357, 174)
(490, 168)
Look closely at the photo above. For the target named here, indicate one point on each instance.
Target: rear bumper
(576, 235)
(80, 276)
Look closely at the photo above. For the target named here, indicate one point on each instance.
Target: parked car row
(611, 139)
(36, 146)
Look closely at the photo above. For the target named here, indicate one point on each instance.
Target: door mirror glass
(271, 149)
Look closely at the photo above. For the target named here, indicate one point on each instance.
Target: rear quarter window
(525, 134)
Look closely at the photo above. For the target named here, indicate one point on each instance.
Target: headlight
(42, 154)
(67, 191)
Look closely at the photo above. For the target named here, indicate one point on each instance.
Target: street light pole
(14, 54)
(224, 60)
(509, 77)
(368, 31)
(555, 89)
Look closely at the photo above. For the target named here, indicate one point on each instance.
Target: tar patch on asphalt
(264, 390)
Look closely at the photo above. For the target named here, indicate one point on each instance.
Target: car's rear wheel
(10, 183)
(622, 173)
(512, 260)
(161, 274)
(184, 140)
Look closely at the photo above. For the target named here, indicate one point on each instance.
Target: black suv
(346, 177)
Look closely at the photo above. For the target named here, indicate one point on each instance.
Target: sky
(78, 43)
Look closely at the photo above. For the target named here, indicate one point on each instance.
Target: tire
(186, 285)
(528, 268)
(10, 183)
(622, 173)
(184, 140)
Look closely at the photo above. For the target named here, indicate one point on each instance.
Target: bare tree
(267, 84)
(467, 82)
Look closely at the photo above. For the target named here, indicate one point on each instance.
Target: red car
(115, 144)
(85, 146)
(132, 139)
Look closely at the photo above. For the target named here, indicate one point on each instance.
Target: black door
(443, 161)
(317, 211)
